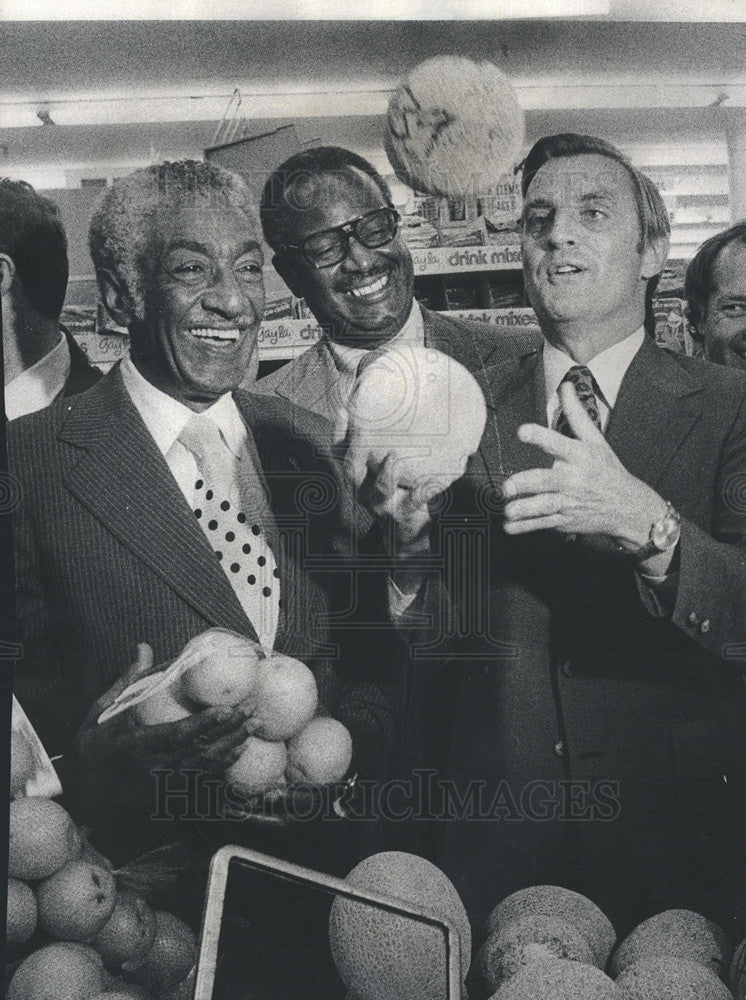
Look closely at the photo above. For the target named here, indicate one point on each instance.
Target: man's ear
(283, 264)
(7, 273)
(654, 257)
(115, 297)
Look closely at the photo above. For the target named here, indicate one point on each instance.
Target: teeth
(566, 269)
(221, 335)
(371, 289)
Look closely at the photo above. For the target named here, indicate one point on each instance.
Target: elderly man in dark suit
(159, 504)
(40, 359)
(599, 735)
(329, 217)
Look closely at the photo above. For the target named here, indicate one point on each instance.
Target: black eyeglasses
(330, 246)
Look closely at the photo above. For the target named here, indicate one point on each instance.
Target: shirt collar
(40, 384)
(348, 358)
(608, 368)
(166, 417)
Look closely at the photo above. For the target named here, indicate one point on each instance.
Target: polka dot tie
(227, 503)
(582, 379)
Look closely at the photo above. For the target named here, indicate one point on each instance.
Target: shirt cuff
(399, 602)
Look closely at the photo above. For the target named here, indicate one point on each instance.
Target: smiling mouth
(216, 337)
(371, 289)
(564, 269)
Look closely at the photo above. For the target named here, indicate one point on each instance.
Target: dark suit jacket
(312, 379)
(82, 374)
(581, 680)
(109, 554)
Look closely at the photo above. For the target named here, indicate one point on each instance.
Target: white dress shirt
(40, 384)
(608, 369)
(165, 419)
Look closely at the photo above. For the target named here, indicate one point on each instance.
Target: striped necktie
(582, 379)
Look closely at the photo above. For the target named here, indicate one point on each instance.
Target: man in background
(715, 289)
(330, 219)
(41, 359)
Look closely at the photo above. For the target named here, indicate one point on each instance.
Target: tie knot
(201, 435)
(581, 377)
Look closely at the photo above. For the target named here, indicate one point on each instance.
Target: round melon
(422, 406)
(42, 838)
(521, 941)
(675, 932)
(553, 900)
(670, 977)
(384, 956)
(559, 979)
(454, 127)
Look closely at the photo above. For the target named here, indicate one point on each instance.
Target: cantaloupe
(554, 900)
(384, 956)
(59, 971)
(675, 932)
(558, 979)
(519, 942)
(670, 977)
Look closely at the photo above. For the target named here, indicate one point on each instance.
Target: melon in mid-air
(454, 127)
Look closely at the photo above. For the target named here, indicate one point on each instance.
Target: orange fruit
(42, 838)
(75, 902)
(224, 668)
(261, 764)
(320, 753)
(285, 697)
(129, 932)
(22, 912)
(171, 957)
(59, 971)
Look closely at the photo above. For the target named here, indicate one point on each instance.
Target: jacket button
(705, 626)
(559, 748)
(693, 619)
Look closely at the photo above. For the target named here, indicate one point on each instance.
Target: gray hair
(122, 225)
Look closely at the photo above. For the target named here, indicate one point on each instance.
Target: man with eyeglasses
(329, 217)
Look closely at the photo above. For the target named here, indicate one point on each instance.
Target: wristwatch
(664, 533)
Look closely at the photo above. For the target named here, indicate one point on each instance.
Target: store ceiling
(121, 92)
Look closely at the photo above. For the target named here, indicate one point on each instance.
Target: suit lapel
(126, 484)
(658, 404)
(312, 382)
(514, 395)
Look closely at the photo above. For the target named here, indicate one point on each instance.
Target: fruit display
(288, 741)
(560, 979)
(679, 933)
(384, 956)
(670, 977)
(89, 939)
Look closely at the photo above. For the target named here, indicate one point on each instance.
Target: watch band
(664, 533)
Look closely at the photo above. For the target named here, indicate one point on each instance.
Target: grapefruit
(320, 753)
(384, 956)
(260, 765)
(42, 838)
(223, 668)
(129, 932)
(285, 698)
(22, 762)
(75, 902)
(171, 957)
(59, 971)
(22, 912)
